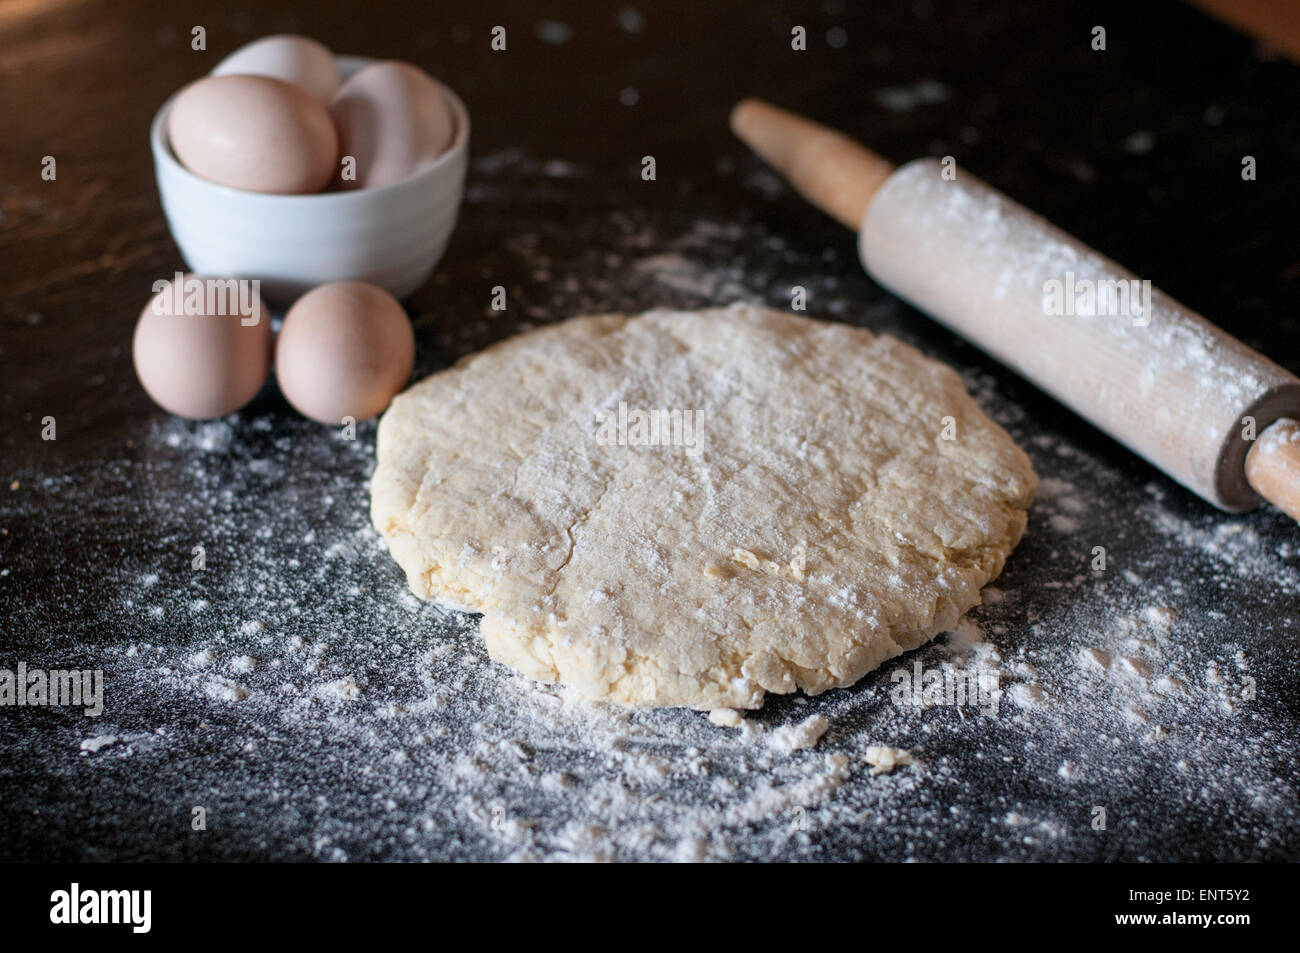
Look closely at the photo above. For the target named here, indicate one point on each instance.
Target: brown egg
(202, 347)
(253, 133)
(294, 59)
(345, 350)
(393, 120)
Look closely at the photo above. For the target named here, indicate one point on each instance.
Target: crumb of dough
(725, 717)
(884, 759)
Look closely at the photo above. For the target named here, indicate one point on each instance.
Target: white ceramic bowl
(390, 236)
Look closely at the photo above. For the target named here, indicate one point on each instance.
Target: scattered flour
(339, 719)
(798, 737)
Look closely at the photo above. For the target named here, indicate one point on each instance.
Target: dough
(804, 522)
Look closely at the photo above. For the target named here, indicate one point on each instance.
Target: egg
(345, 350)
(202, 347)
(294, 59)
(253, 133)
(393, 120)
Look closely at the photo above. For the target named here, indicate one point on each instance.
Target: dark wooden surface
(1031, 109)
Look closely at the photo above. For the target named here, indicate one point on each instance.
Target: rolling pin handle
(830, 170)
(1273, 466)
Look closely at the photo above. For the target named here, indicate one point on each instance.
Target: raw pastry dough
(841, 500)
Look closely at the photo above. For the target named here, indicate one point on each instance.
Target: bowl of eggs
(296, 167)
(329, 183)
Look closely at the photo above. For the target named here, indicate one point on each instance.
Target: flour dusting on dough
(825, 500)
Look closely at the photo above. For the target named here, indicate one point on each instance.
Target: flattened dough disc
(821, 515)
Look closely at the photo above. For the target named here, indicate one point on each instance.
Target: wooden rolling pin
(1194, 401)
